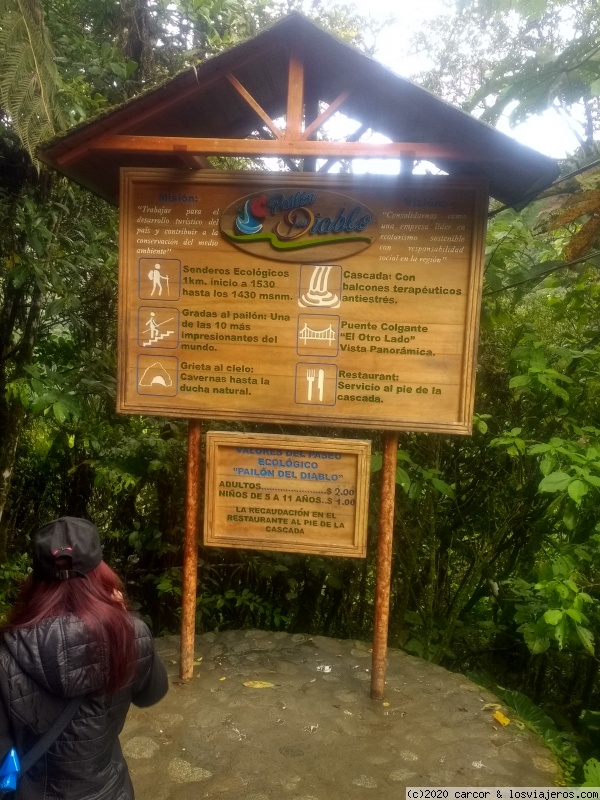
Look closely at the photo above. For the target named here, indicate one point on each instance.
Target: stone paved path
(316, 734)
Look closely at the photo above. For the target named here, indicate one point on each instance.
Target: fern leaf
(30, 84)
(583, 240)
(577, 207)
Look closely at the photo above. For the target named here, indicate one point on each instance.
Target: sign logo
(287, 224)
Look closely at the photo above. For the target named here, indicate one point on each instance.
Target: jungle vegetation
(496, 569)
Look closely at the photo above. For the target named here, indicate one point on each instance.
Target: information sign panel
(298, 494)
(331, 300)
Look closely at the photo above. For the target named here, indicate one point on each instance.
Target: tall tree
(520, 58)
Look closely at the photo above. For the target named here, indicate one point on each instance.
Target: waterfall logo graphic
(320, 286)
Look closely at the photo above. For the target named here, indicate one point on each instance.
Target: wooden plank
(256, 107)
(376, 330)
(261, 147)
(295, 494)
(311, 112)
(289, 163)
(295, 99)
(354, 137)
(325, 115)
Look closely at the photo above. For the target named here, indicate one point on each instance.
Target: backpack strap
(51, 735)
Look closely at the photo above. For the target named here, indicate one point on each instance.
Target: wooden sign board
(297, 494)
(330, 300)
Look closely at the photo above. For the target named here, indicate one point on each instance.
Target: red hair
(97, 599)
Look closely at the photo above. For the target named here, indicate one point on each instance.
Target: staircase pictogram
(157, 338)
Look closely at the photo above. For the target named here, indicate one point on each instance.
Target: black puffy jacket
(41, 669)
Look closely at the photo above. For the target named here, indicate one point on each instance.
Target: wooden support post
(384, 564)
(295, 99)
(311, 112)
(190, 552)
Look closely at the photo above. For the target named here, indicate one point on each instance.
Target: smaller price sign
(297, 494)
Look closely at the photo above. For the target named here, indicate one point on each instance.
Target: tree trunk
(12, 412)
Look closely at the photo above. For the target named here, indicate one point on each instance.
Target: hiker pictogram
(159, 279)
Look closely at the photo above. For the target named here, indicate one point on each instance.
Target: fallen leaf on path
(259, 684)
(499, 717)
(311, 728)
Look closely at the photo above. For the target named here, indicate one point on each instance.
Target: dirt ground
(313, 733)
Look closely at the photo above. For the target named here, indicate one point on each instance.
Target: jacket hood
(59, 656)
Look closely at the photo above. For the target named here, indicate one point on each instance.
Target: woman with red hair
(69, 636)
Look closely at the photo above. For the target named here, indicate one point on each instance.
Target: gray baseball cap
(72, 537)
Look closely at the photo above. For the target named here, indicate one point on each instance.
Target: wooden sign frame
(295, 494)
(356, 304)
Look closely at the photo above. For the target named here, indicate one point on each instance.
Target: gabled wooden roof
(294, 70)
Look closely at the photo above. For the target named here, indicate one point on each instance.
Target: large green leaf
(591, 772)
(577, 490)
(587, 638)
(555, 482)
(553, 616)
(402, 478)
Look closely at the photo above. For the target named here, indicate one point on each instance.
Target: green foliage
(591, 772)
(573, 466)
(169, 584)
(533, 717)
(413, 478)
(244, 608)
(555, 609)
(30, 86)
(12, 575)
